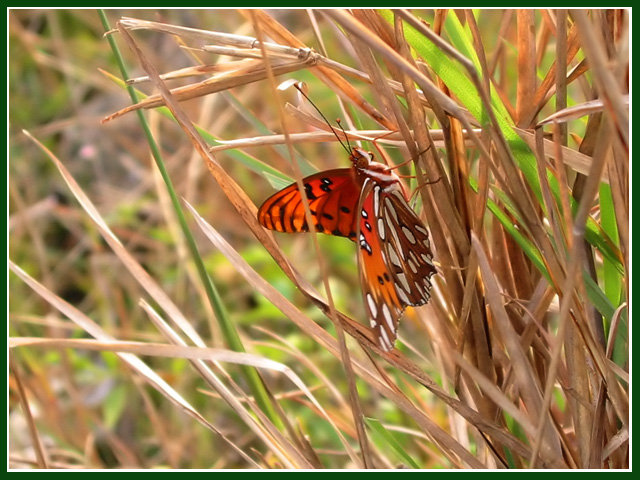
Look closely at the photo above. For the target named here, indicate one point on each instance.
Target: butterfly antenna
(344, 133)
(346, 147)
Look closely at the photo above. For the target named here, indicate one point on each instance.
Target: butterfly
(368, 205)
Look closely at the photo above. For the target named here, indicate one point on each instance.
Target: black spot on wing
(308, 188)
(326, 184)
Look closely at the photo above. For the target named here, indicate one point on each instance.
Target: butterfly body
(367, 204)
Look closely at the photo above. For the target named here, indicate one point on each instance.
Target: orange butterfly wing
(394, 255)
(380, 296)
(394, 259)
(333, 198)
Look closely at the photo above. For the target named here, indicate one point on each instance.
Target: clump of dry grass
(521, 358)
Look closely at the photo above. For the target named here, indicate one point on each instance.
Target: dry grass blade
(328, 342)
(526, 65)
(165, 350)
(125, 256)
(332, 78)
(310, 327)
(577, 111)
(608, 85)
(579, 162)
(41, 456)
(97, 332)
(548, 85)
(265, 430)
(146, 281)
(491, 390)
(525, 377)
(366, 135)
(246, 73)
(173, 351)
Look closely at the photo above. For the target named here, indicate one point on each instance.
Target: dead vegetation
(518, 126)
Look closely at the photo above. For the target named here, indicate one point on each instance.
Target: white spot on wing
(409, 234)
(391, 209)
(364, 244)
(412, 265)
(381, 232)
(396, 240)
(387, 317)
(420, 229)
(402, 296)
(376, 200)
(400, 196)
(403, 280)
(394, 256)
(383, 339)
(373, 309)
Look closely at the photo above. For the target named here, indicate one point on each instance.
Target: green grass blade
(613, 283)
(457, 80)
(227, 327)
(391, 442)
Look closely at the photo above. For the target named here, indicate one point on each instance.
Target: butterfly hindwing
(381, 300)
(394, 258)
(332, 195)
(406, 245)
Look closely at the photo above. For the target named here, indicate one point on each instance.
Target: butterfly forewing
(333, 198)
